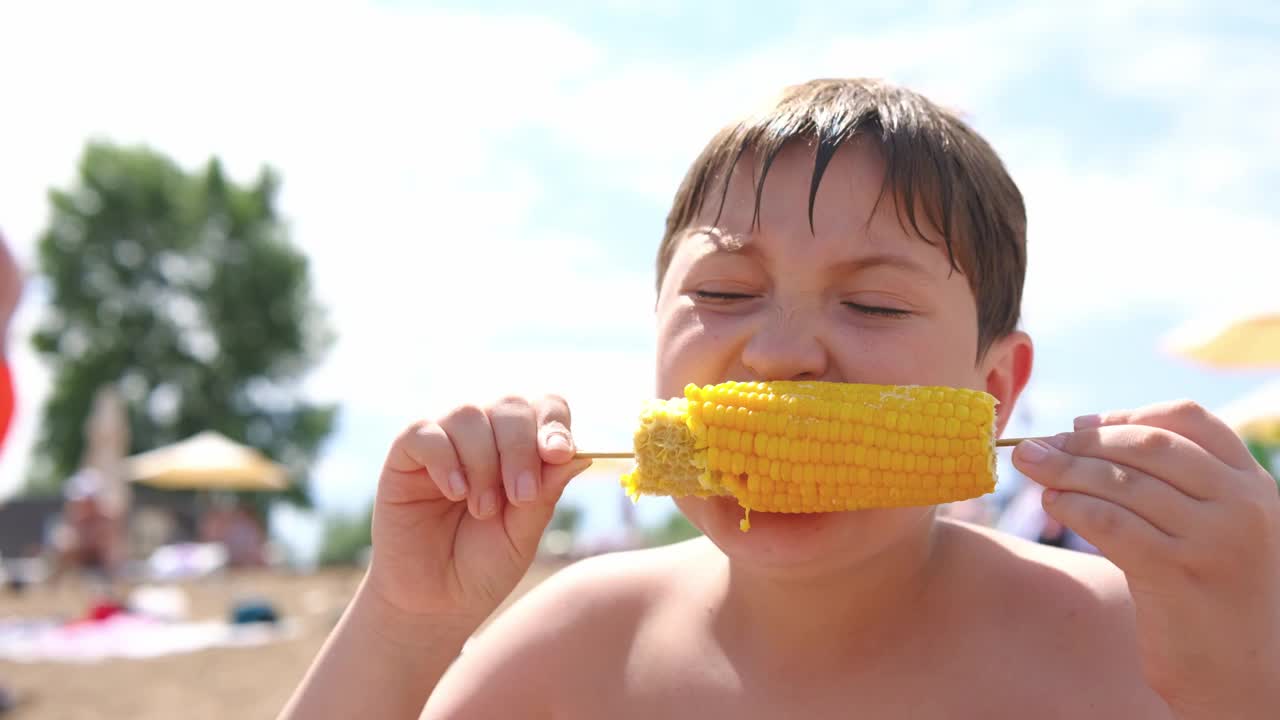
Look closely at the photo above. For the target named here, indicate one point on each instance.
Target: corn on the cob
(814, 446)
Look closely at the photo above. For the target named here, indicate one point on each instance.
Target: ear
(1007, 367)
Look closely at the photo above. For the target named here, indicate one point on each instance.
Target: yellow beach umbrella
(207, 461)
(1245, 341)
(1256, 415)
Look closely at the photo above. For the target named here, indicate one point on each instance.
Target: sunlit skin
(856, 299)
(805, 612)
(882, 613)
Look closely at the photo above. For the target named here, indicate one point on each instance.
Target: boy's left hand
(1172, 497)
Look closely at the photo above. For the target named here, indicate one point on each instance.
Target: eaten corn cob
(814, 446)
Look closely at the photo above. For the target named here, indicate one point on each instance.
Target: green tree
(345, 537)
(567, 518)
(1265, 454)
(184, 289)
(676, 529)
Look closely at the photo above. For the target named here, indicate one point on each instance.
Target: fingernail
(1058, 441)
(1049, 495)
(526, 487)
(457, 484)
(488, 503)
(1032, 450)
(558, 441)
(1085, 422)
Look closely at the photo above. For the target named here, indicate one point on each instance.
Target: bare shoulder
(562, 632)
(1070, 582)
(1058, 618)
(1017, 555)
(613, 590)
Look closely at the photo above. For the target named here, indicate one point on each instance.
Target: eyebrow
(900, 262)
(721, 242)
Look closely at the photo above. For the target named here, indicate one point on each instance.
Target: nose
(786, 346)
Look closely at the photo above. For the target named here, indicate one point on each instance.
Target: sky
(481, 187)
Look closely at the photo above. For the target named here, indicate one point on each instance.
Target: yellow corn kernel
(811, 446)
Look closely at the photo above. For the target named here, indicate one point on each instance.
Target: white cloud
(1169, 227)
(1100, 244)
(645, 120)
(385, 125)
(392, 129)
(604, 390)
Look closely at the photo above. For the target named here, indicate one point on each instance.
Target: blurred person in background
(1026, 518)
(244, 537)
(87, 539)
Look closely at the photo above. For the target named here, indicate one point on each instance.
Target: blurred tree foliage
(567, 518)
(184, 289)
(1265, 455)
(677, 528)
(345, 538)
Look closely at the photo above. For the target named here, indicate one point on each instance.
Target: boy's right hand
(462, 503)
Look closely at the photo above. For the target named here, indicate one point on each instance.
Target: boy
(853, 232)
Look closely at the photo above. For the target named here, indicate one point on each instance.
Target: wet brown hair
(934, 163)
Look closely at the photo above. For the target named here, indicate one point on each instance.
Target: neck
(844, 614)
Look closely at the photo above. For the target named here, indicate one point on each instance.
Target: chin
(799, 543)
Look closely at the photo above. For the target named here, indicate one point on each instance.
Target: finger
(1185, 418)
(1158, 452)
(472, 437)
(1154, 500)
(1133, 544)
(516, 432)
(555, 442)
(405, 478)
(425, 446)
(526, 524)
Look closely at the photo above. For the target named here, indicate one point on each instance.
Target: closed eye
(721, 296)
(877, 311)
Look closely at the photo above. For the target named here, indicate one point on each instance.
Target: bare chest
(1014, 681)
(706, 696)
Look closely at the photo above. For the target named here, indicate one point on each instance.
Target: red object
(98, 612)
(6, 400)
(103, 610)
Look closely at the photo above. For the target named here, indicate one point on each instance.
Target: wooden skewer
(1002, 442)
(1010, 442)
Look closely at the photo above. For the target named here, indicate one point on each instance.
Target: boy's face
(850, 301)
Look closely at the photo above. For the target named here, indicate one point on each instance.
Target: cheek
(693, 510)
(947, 358)
(692, 348)
(924, 353)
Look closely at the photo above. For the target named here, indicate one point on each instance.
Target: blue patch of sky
(1102, 131)
(365, 440)
(626, 225)
(1115, 362)
(1110, 361)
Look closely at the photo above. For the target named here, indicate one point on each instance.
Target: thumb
(525, 523)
